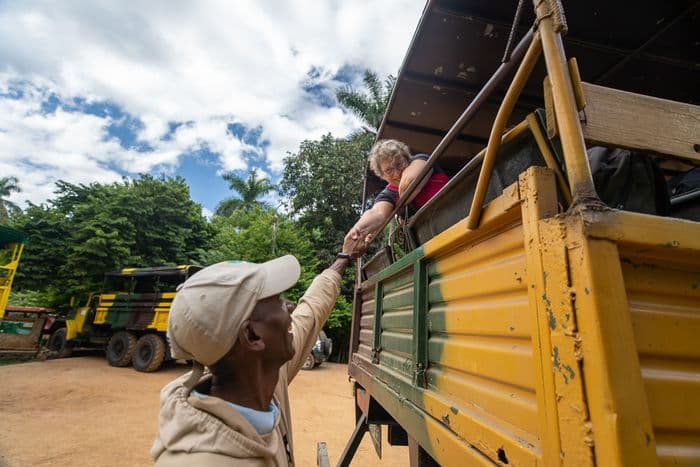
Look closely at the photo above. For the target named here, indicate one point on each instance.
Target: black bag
(685, 182)
(629, 180)
(685, 195)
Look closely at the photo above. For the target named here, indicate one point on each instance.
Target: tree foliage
(323, 186)
(248, 191)
(87, 230)
(368, 104)
(8, 185)
(322, 183)
(261, 234)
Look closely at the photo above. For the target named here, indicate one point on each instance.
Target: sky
(94, 91)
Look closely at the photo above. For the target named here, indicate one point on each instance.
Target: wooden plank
(624, 119)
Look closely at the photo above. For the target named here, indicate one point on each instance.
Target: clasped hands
(356, 242)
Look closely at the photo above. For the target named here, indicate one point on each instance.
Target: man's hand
(355, 244)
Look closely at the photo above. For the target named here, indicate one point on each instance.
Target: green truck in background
(129, 315)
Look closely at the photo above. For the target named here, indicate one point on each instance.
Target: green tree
(87, 230)
(369, 104)
(48, 232)
(322, 184)
(248, 191)
(8, 185)
(258, 235)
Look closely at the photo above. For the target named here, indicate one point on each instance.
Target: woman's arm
(410, 174)
(370, 221)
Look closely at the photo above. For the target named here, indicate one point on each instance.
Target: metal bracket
(354, 442)
(375, 355)
(551, 119)
(419, 374)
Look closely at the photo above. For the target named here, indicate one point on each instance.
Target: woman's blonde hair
(390, 150)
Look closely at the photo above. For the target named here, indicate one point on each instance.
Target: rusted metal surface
(21, 334)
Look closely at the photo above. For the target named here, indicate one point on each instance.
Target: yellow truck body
(540, 327)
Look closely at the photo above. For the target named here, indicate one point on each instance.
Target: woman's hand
(364, 229)
(353, 234)
(355, 247)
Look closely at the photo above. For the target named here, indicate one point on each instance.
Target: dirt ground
(82, 412)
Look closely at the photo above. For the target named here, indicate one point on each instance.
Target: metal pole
(565, 110)
(499, 124)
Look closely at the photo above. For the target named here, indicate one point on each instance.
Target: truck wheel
(309, 363)
(58, 343)
(120, 348)
(149, 353)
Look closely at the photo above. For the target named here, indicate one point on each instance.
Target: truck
(533, 321)
(128, 317)
(21, 327)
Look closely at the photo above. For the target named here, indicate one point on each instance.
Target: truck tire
(149, 353)
(59, 344)
(120, 348)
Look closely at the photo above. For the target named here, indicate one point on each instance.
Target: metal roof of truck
(9, 235)
(647, 47)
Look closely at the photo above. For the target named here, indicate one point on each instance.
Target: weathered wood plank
(624, 119)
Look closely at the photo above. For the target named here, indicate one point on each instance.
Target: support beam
(354, 442)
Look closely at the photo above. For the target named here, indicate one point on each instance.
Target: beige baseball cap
(210, 306)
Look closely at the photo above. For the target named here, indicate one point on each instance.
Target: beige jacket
(208, 432)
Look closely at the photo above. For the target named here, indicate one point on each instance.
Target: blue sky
(95, 91)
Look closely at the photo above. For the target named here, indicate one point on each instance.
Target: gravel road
(82, 412)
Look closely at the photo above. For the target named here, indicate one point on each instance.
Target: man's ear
(248, 338)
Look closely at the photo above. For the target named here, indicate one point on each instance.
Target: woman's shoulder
(420, 157)
(390, 193)
(424, 157)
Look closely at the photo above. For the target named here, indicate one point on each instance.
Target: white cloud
(204, 63)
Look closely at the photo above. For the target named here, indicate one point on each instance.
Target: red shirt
(436, 181)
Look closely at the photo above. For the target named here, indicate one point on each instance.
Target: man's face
(273, 324)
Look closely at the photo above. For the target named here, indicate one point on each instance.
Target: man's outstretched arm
(315, 306)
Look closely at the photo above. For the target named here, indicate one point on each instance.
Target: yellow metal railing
(9, 274)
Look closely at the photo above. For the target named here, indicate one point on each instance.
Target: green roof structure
(10, 235)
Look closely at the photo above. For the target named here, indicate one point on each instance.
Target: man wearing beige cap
(231, 318)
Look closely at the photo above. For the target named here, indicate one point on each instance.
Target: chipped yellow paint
(553, 339)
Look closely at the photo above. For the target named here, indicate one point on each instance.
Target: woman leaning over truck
(392, 161)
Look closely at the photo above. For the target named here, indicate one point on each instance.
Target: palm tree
(248, 191)
(369, 106)
(7, 186)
